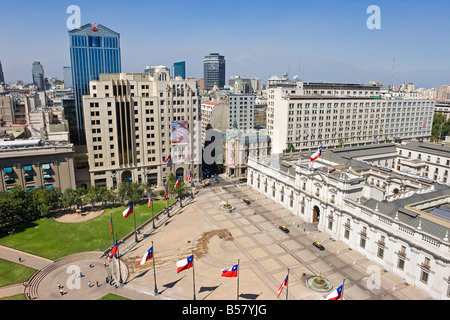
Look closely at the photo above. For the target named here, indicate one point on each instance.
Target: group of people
(109, 280)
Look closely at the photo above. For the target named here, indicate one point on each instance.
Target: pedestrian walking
(59, 285)
(20, 259)
(107, 279)
(61, 291)
(89, 284)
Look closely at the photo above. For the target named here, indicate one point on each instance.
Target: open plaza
(218, 239)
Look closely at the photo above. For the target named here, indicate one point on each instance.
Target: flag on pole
(150, 200)
(113, 250)
(147, 255)
(185, 263)
(187, 157)
(111, 225)
(316, 154)
(284, 284)
(168, 158)
(230, 272)
(165, 191)
(177, 183)
(336, 294)
(189, 176)
(127, 211)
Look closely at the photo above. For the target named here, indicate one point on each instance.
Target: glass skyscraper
(93, 50)
(214, 71)
(37, 72)
(179, 69)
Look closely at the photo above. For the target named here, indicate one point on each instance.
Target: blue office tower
(179, 69)
(94, 49)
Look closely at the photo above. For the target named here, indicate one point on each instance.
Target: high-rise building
(2, 76)
(37, 72)
(308, 115)
(134, 121)
(93, 50)
(214, 71)
(67, 73)
(179, 69)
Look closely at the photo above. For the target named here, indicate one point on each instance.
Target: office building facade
(37, 72)
(135, 121)
(309, 115)
(93, 50)
(214, 71)
(2, 75)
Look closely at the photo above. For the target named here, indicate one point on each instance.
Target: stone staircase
(31, 289)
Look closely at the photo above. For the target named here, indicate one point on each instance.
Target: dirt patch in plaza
(199, 247)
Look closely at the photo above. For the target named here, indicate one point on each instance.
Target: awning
(30, 188)
(27, 168)
(49, 186)
(46, 166)
(7, 169)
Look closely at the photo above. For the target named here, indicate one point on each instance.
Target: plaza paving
(218, 239)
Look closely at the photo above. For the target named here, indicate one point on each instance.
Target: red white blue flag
(166, 188)
(336, 294)
(189, 176)
(284, 284)
(150, 200)
(185, 263)
(316, 154)
(114, 250)
(147, 255)
(168, 158)
(177, 183)
(128, 211)
(230, 272)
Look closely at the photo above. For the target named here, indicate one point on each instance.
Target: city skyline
(321, 41)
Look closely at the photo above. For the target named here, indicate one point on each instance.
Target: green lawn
(12, 273)
(112, 296)
(53, 240)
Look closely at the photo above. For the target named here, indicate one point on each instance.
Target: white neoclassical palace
(400, 221)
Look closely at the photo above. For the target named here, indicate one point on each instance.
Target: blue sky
(323, 40)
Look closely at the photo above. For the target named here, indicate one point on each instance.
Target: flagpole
(153, 217)
(118, 258)
(287, 285)
(112, 228)
(154, 266)
(342, 293)
(238, 271)
(135, 230)
(193, 273)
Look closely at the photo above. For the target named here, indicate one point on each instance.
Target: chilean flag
(128, 211)
(187, 157)
(150, 200)
(185, 263)
(111, 225)
(316, 154)
(114, 250)
(147, 255)
(230, 272)
(189, 176)
(336, 294)
(168, 158)
(284, 284)
(177, 183)
(165, 192)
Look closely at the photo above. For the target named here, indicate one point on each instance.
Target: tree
(441, 127)
(290, 148)
(130, 191)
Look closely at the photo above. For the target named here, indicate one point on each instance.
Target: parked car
(319, 246)
(284, 229)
